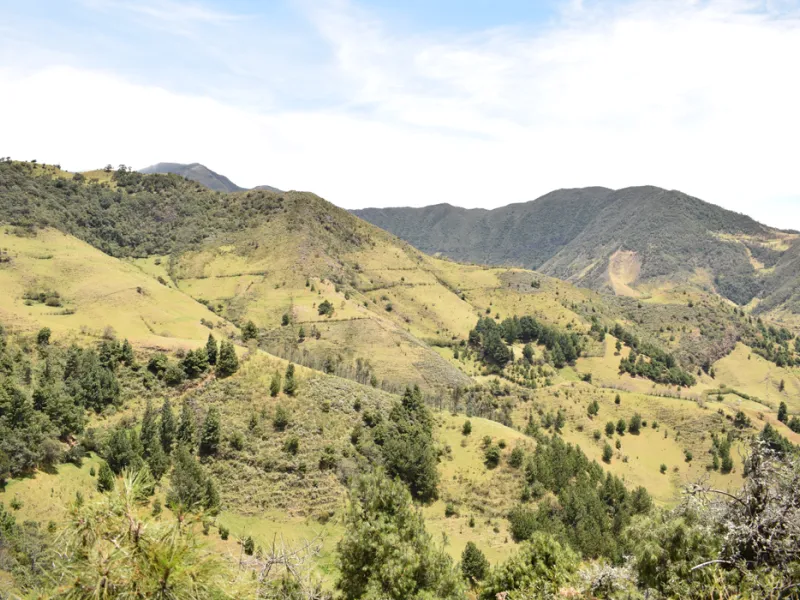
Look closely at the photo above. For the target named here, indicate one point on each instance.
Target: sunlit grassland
(682, 425)
(97, 292)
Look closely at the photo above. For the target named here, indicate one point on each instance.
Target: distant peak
(201, 174)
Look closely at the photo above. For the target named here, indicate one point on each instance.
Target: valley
(597, 372)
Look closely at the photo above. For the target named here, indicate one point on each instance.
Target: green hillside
(260, 395)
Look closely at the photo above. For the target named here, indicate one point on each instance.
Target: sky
(478, 103)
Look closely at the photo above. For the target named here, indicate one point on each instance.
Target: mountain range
(631, 241)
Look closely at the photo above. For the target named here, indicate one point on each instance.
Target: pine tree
(149, 430)
(227, 362)
(210, 436)
(126, 355)
(186, 427)
(275, 385)
(607, 453)
(249, 331)
(189, 485)
(123, 450)
(386, 552)
(783, 413)
(635, 424)
(105, 478)
(156, 459)
(474, 565)
(290, 385)
(43, 337)
(211, 349)
(167, 427)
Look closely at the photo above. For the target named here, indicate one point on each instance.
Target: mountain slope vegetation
(318, 403)
(626, 241)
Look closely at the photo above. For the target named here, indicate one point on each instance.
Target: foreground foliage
(386, 552)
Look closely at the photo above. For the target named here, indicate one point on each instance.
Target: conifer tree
(211, 349)
(105, 478)
(186, 427)
(126, 354)
(156, 459)
(474, 565)
(149, 430)
(167, 427)
(386, 551)
(275, 385)
(783, 413)
(290, 385)
(249, 331)
(227, 362)
(210, 436)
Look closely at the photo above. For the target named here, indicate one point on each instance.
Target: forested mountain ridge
(624, 241)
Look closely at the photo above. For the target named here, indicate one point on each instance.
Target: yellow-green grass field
(97, 292)
(682, 425)
(486, 495)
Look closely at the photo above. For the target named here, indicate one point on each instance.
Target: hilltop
(632, 241)
(202, 175)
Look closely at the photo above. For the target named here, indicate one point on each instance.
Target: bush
(635, 424)
(491, 457)
(292, 445)
(663, 468)
(280, 420)
(43, 337)
(386, 552)
(607, 453)
(467, 428)
(248, 545)
(105, 478)
(540, 569)
(517, 457)
(328, 460)
(325, 308)
(174, 375)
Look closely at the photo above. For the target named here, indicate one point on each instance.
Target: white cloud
(700, 97)
(167, 10)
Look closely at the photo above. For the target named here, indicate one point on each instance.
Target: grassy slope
(103, 291)
(261, 274)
